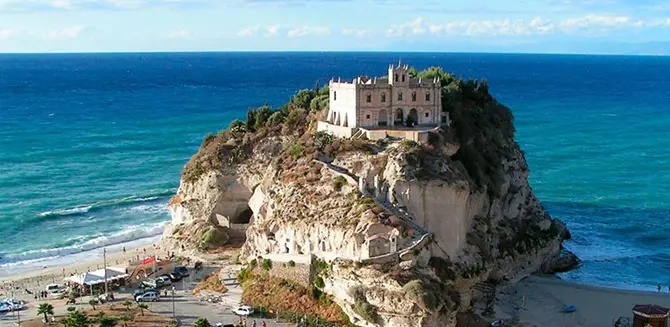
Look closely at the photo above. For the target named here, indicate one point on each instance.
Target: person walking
(659, 287)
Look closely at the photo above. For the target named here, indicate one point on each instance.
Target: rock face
(406, 229)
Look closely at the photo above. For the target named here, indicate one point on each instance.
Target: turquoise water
(92, 145)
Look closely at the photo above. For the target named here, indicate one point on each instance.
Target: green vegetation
(108, 322)
(142, 307)
(361, 306)
(243, 275)
(77, 319)
(214, 237)
(45, 309)
(93, 303)
(321, 267)
(291, 263)
(266, 265)
(483, 127)
(423, 295)
(319, 283)
(202, 322)
(339, 182)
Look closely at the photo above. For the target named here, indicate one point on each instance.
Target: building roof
(651, 311)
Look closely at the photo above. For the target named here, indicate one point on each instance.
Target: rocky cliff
(407, 229)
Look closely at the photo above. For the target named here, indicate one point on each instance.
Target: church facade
(393, 101)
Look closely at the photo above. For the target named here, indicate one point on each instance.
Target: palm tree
(142, 307)
(45, 309)
(202, 322)
(108, 322)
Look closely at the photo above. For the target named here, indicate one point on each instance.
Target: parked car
(218, 324)
(175, 276)
(183, 271)
(243, 310)
(142, 291)
(54, 288)
(148, 297)
(148, 284)
(163, 281)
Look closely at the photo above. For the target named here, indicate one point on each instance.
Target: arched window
(427, 96)
(399, 96)
(414, 96)
(383, 96)
(368, 98)
(334, 95)
(396, 77)
(403, 77)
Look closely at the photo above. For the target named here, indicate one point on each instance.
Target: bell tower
(399, 75)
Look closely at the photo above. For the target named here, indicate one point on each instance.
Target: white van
(54, 288)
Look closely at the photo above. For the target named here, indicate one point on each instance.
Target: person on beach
(659, 287)
(124, 249)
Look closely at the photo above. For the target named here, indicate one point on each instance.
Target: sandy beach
(597, 306)
(36, 280)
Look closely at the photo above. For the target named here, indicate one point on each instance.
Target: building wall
(370, 112)
(343, 104)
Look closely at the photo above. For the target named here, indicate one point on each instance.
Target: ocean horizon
(93, 144)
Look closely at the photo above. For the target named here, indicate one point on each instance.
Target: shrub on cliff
(266, 264)
(361, 305)
(214, 237)
(483, 127)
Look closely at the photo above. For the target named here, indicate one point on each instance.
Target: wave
(128, 234)
(84, 209)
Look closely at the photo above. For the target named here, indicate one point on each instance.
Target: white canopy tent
(98, 276)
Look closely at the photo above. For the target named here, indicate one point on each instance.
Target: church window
(427, 114)
(403, 77)
(367, 116)
(413, 96)
(427, 96)
(396, 77)
(383, 97)
(334, 95)
(399, 96)
(368, 98)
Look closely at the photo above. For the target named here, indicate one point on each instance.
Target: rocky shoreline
(406, 230)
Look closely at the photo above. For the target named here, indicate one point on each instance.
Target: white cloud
(256, 30)
(5, 33)
(180, 34)
(70, 32)
(272, 30)
(358, 32)
(308, 31)
(415, 27)
(535, 26)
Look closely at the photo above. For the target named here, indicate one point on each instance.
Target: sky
(537, 26)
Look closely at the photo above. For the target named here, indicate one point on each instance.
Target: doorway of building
(412, 118)
(398, 118)
(382, 118)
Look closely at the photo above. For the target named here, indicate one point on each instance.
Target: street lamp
(174, 317)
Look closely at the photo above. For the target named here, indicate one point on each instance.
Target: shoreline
(540, 299)
(82, 261)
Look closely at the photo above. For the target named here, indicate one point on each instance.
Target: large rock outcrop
(407, 229)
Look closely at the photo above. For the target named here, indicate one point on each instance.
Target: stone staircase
(389, 207)
(358, 135)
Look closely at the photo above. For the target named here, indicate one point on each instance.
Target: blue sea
(92, 145)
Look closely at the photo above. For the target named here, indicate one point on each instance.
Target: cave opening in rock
(243, 217)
